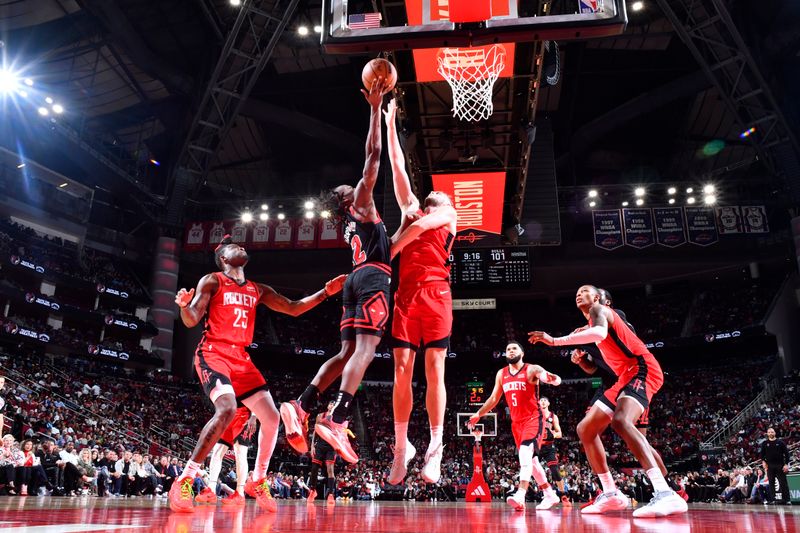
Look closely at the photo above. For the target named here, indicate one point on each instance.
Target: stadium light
(48, 99)
(8, 81)
(264, 207)
(672, 190)
(625, 203)
(281, 216)
(710, 199)
(593, 193)
(28, 82)
(592, 203)
(690, 200)
(43, 111)
(263, 216)
(325, 214)
(63, 185)
(637, 6)
(639, 191)
(308, 205)
(317, 29)
(58, 109)
(247, 217)
(709, 189)
(302, 31)
(671, 201)
(309, 215)
(639, 201)
(689, 190)
(236, 3)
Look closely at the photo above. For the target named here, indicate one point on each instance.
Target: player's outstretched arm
(491, 402)
(194, 302)
(278, 302)
(443, 216)
(536, 372)
(363, 201)
(406, 199)
(596, 333)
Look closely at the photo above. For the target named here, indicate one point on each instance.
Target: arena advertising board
(478, 199)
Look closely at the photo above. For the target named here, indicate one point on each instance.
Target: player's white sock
(191, 469)
(436, 437)
(540, 476)
(607, 481)
(657, 479)
(266, 412)
(242, 466)
(400, 435)
(215, 466)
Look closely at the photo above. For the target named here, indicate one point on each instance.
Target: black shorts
(548, 454)
(642, 423)
(323, 452)
(365, 301)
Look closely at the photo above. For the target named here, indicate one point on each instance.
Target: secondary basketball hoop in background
(478, 489)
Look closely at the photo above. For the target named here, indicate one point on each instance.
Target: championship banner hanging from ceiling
(755, 219)
(729, 220)
(607, 229)
(478, 199)
(701, 225)
(670, 229)
(638, 225)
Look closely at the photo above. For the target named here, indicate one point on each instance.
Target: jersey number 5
(514, 399)
(358, 254)
(241, 318)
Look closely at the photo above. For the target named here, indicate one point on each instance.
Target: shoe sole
(604, 511)
(294, 430)
(329, 436)
(270, 506)
(541, 508)
(661, 514)
(515, 504)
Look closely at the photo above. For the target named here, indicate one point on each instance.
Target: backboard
(486, 427)
(419, 24)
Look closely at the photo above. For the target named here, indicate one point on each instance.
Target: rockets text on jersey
(231, 313)
(521, 396)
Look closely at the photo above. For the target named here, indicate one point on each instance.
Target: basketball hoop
(471, 73)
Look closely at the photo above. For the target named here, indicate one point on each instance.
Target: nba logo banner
(729, 220)
(638, 227)
(194, 236)
(607, 229)
(670, 231)
(755, 219)
(701, 225)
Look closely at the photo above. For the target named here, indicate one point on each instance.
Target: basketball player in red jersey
(639, 377)
(365, 299)
(552, 431)
(423, 308)
(227, 301)
(519, 382)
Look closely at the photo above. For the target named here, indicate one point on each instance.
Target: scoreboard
(506, 267)
(476, 392)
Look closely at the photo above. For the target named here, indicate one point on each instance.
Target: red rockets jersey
(426, 258)
(622, 349)
(522, 397)
(231, 313)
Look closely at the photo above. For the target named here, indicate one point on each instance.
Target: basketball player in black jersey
(590, 360)
(365, 299)
(552, 431)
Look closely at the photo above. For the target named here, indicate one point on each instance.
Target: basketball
(378, 67)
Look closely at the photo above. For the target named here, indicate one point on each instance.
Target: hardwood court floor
(91, 514)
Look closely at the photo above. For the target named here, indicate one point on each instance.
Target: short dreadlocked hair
(226, 240)
(331, 200)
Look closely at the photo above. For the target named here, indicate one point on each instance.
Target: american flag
(363, 21)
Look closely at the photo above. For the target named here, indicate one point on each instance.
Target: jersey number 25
(241, 318)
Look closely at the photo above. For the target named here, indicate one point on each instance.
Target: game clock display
(491, 268)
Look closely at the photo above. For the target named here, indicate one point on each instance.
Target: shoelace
(263, 489)
(186, 490)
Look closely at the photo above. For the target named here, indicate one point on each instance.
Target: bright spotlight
(672, 190)
(689, 190)
(281, 216)
(58, 109)
(48, 100)
(247, 217)
(639, 201)
(302, 31)
(625, 203)
(264, 207)
(593, 194)
(308, 205)
(317, 29)
(592, 203)
(236, 3)
(690, 200)
(23, 93)
(309, 214)
(671, 201)
(63, 185)
(43, 111)
(263, 216)
(709, 189)
(21, 165)
(325, 214)
(637, 6)
(639, 191)
(8, 81)
(710, 199)
(28, 82)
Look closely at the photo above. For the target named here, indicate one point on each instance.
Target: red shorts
(528, 430)
(225, 369)
(235, 427)
(423, 316)
(640, 382)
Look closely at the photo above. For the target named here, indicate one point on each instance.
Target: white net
(471, 73)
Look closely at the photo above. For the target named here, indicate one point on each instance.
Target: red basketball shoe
(234, 500)
(260, 491)
(206, 496)
(295, 422)
(336, 435)
(181, 495)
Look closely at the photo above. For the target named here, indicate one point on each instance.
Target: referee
(775, 456)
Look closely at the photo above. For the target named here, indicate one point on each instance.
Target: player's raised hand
(473, 420)
(335, 285)
(391, 112)
(576, 356)
(184, 297)
(540, 336)
(375, 95)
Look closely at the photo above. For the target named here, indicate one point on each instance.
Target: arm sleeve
(589, 335)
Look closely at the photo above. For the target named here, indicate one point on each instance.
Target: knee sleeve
(525, 462)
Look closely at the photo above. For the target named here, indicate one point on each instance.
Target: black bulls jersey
(368, 241)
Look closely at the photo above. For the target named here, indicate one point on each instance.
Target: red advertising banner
(425, 62)
(477, 197)
(306, 234)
